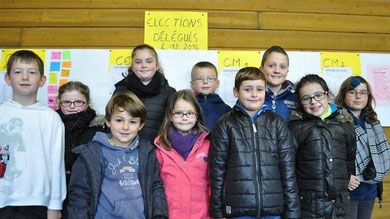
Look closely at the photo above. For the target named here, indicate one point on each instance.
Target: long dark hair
(199, 127)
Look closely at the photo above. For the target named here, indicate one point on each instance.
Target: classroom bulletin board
(100, 69)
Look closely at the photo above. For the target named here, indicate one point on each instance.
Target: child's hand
(354, 182)
(53, 214)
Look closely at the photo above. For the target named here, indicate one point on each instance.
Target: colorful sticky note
(235, 59)
(341, 60)
(53, 78)
(52, 89)
(63, 81)
(55, 66)
(55, 55)
(65, 72)
(66, 64)
(66, 55)
(52, 100)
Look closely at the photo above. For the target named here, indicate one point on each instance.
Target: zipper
(273, 104)
(257, 168)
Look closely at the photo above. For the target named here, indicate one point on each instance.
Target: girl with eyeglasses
(326, 150)
(81, 122)
(372, 157)
(182, 152)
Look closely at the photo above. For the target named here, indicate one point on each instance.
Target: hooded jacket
(324, 163)
(87, 175)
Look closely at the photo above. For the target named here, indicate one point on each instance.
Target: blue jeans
(362, 209)
(266, 217)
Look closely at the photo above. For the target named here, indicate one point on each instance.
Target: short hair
(77, 86)
(26, 56)
(272, 49)
(248, 73)
(203, 64)
(309, 79)
(347, 86)
(199, 126)
(126, 101)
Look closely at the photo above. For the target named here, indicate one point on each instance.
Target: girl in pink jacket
(182, 152)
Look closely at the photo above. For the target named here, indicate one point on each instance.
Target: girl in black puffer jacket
(326, 151)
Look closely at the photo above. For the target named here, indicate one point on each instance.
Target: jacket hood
(340, 115)
(287, 87)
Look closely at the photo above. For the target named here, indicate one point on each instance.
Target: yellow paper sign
(120, 57)
(176, 30)
(6, 53)
(227, 59)
(340, 60)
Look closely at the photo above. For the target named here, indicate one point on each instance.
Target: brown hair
(203, 65)
(248, 73)
(141, 47)
(77, 86)
(309, 79)
(272, 49)
(126, 101)
(26, 56)
(167, 124)
(347, 86)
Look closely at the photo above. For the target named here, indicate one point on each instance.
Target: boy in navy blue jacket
(117, 175)
(204, 82)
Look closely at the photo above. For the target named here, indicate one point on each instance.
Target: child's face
(72, 102)
(205, 81)
(357, 98)
(25, 80)
(314, 91)
(124, 127)
(144, 64)
(275, 69)
(184, 124)
(251, 95)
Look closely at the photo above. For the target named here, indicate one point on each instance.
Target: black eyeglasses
(181, 114)
(67, 103)
(317, 96)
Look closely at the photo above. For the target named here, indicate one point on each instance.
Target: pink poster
(379, 79)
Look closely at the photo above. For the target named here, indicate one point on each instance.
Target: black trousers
(23, 212)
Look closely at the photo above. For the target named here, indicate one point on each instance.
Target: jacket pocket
(308, 204)
(124, 209)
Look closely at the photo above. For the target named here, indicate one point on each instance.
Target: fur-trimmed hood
(340, 115)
